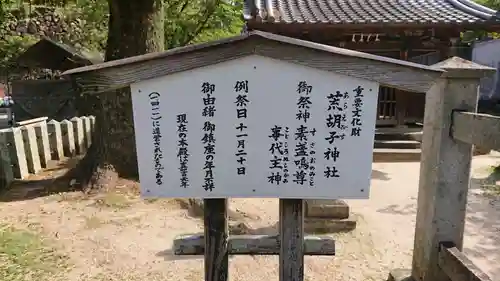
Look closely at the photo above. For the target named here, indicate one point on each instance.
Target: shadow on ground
(55, 179)
(482, 230)
(395, 209)
(488, 180)
(379, 175)
(483, 220)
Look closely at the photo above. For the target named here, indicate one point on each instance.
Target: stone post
(444, 169)
(78, 133)
(55, 140)
(31, 149)
(42, 137)
(87, 131)
(13, 156)
(68, 138)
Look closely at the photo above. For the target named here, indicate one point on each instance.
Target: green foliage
(193, 21)
(92, 17)
(12, 46)
(186, 22)
(82, 23)
(471, 36)
(492, 4)
(226, 21)
(26, 256)
(5, 6)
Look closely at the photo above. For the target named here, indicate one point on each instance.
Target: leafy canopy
(186, 22)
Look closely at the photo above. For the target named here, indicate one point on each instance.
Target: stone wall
(43, 21)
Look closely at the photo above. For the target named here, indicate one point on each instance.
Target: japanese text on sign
(275, 130)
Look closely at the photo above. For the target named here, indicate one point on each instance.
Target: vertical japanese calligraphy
(154, 99)
(255, 127)
(357, 112)
(279, 172)
(208, 139)
(182, 149)
(304, 157)
(336, 121)
(241, 89)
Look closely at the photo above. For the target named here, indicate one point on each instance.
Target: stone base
(327, 225)
(384, 155)
(400, 275)
(333, 209)
(381, 155)
(480, 151)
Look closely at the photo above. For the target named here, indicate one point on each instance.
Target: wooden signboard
(255, 127)
(256, 115)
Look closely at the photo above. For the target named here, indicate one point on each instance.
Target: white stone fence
(27, 148)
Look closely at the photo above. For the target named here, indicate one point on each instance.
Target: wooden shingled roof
(386, 71)
(369, 12)
(50, 54)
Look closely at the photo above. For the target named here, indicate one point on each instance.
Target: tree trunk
(135, 28)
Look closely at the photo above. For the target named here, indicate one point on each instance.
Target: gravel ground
(117, 236)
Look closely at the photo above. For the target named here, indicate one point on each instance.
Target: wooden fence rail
(27, 148)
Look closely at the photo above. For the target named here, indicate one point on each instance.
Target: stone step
(326, 225)
(396, 155)
(399, 133)
(397, 144)
(408, 155)
(399, 130)
(321, 208)
(415, 136)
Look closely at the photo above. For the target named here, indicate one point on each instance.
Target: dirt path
(120, 237)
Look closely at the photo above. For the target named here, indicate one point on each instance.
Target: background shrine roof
(369, 11)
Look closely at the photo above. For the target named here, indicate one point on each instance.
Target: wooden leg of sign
(291, 265)
(216, 236)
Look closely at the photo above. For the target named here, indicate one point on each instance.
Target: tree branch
(184, 6)
(209, 11)
(174, 4)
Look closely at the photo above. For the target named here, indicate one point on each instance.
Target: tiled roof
(368, 11)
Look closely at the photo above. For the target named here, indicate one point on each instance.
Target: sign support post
(216, 239)
(291, 227)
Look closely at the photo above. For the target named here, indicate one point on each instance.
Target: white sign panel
(255, 127)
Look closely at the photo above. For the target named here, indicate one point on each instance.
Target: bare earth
(120, 237)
